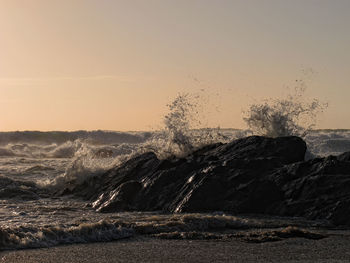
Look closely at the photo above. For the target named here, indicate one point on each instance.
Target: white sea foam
(124, 225)
(34, 237)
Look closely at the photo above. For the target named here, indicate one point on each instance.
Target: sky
(115, 65)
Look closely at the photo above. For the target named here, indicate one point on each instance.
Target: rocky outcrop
(316, 189)
(251, 175)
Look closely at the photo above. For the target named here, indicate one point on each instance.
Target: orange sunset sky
(114, 65)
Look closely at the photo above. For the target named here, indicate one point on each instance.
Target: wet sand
(332, 249)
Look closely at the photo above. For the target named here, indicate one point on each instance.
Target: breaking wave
(32, 237)
(20, 190)
(34, 144)
(164, 226)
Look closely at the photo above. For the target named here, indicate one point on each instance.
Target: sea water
(33, 165)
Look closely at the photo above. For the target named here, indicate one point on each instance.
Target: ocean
(34, 166)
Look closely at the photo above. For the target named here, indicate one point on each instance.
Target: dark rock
(340, 215)
(317, 189)
(119, 199)
(287, 149)
(250, 175)
(345, 157)
(134, 169)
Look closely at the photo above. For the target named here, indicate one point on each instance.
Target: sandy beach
(332, 249)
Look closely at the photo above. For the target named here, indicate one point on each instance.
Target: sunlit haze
(114, 65)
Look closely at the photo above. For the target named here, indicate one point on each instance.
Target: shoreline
(334, 248)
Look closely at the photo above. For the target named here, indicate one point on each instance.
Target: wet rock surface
(253, 175)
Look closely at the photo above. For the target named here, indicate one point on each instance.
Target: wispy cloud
(44, 80)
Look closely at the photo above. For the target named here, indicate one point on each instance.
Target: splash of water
(282, 117)
(182, 133)
(89, 161)
(178, 122)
